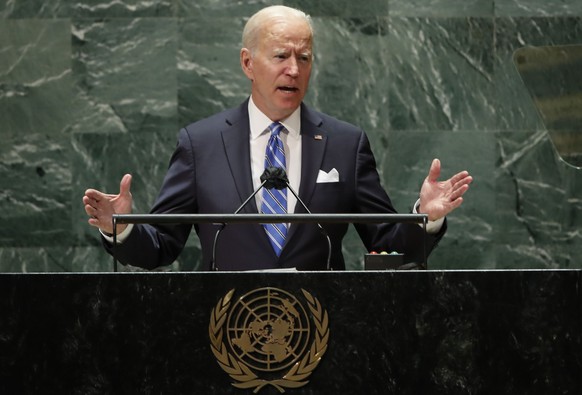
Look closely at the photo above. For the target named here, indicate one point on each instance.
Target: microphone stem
(323, 231)
(213, 266)
(250, 197)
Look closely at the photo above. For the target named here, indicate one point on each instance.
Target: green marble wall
(90, 90)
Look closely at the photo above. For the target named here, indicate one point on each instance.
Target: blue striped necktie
(274, 200)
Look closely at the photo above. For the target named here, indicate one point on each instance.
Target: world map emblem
(268, 337)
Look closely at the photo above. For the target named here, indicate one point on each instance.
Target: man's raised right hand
(100, 206)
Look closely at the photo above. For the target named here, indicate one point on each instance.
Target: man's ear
(246, 62)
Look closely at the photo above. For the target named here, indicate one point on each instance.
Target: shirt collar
(259, 122)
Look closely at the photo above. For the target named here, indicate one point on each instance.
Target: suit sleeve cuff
(120, 237)
(432, 227)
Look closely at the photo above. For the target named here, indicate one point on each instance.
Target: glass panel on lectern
(553, 77)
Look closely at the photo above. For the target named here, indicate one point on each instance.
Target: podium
(392, 332)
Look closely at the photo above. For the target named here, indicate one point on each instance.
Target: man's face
(280, 67)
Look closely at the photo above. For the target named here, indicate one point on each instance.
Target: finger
(467, 180)
(88, 200)
(97, 204)
(98, 196)
(458, 192)
(93, 218)
(96, 219)
(91, 211)
(435, 170)
(93, 222)
(94, 194)
(456, 203)
(91, 201)
(459, 189)
(99, 224)
(125, 185)
(460, 178)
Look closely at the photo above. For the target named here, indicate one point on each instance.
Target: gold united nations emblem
(267, 337)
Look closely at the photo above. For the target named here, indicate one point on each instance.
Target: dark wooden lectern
(414, 332)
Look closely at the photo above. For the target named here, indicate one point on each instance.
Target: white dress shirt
(291, 138)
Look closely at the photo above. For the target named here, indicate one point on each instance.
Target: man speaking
(218, 163)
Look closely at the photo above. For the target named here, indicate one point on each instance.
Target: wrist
(109, 233)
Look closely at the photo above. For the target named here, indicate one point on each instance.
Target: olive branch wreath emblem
(245, 378)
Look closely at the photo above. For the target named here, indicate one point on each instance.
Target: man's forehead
(288, 42)
(285, 39)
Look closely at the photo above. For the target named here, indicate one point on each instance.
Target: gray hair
(255, 24)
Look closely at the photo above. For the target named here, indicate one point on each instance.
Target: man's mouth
(288, 89)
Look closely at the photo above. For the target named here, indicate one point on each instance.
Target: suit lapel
(235, 138)
(313, 143)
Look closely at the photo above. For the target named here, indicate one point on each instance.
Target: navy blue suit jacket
(210, 172)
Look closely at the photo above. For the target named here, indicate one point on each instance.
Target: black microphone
(266, 178)
(276, 177)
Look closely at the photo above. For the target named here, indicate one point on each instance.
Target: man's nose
(293, 67)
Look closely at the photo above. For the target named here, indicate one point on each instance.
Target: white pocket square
(332, 176)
